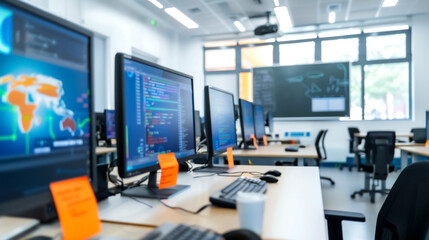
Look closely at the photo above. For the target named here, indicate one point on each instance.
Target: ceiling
(215, 17)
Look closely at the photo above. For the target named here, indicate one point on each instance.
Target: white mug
(250, 208)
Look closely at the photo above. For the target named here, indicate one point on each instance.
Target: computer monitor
(154, 115)
(246, 120)
(46, 106)
(109, 118)
(220, 125)
(270, 123)
(259, 122)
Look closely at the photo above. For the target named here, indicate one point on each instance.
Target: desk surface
(419, 150)
(409, 144)
(104, 150)
(294, 207)
(109, 231)
(276, 150)
(404, 135)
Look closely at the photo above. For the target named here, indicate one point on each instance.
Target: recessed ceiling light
(332, 16)
(283, 17)
(389, 3)
(181, 17)
(276, 2)
(156, 3)
(239, 26)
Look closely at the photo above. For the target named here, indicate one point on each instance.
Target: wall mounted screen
(314, 90)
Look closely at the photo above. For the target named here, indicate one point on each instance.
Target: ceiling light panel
(389, 3)
(181, 17)
(156, 3)
(283, 17)
(239, 26)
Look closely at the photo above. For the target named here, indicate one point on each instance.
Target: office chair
(404, 214)
(357, 152)
(320, 145)
(379, 152)
(419, 135)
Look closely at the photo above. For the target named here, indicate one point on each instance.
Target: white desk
(294, 207)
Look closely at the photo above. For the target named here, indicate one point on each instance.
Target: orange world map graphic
(45, 89)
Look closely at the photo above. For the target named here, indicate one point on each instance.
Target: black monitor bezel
(105, 123)
(28, 206)
(207, 114)
(197, 116)
(254, 120)
(242, 122)
(120, 114)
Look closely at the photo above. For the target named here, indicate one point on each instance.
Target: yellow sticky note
(169, 170)
(77, 208)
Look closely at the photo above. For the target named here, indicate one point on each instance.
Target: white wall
(337, 137)
(125, 28)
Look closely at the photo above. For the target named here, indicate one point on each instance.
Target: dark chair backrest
(324, 156)
(379, 151)
(317, 144)
(419, 135)
(405, 212)
(352, 132)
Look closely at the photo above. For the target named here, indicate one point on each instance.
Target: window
(297, 53)
(340, 50)
(261, 56)
(246, 86)
(387, 91)
(386, 47)
(355, 93)
(379, 58)
(220, 59)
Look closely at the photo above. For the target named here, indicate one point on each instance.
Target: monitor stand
(151, 190)
(248, 147)
(210, 168)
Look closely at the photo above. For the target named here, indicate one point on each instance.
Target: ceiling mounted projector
(266, 28)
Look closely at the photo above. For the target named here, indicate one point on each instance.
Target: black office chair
(357, 152)
(404, 214)
(320, 145)
(379, 152)
(419, 135)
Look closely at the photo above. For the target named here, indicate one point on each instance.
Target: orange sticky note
(169, 170)
(427, 143)
(264, 138)
(255, 143)
(77, 208)
(230, 158)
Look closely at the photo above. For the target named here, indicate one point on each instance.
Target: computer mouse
(241, 234)
(269, 178)
(302, 146)
(273, 172)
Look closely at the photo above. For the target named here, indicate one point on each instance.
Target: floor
(337, 197)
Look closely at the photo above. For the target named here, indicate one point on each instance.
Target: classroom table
(267, 155)
(293, 210)
(415, 150)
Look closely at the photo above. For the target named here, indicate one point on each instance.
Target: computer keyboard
(226, 196)
(172, 231)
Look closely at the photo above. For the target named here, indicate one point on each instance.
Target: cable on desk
(231, 174)
(139, 201)
(186, 210)
(137, 183)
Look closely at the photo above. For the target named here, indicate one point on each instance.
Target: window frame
(362, 61)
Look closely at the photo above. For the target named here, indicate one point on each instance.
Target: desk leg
(300, 161)
(404, 159)
(415, 158)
